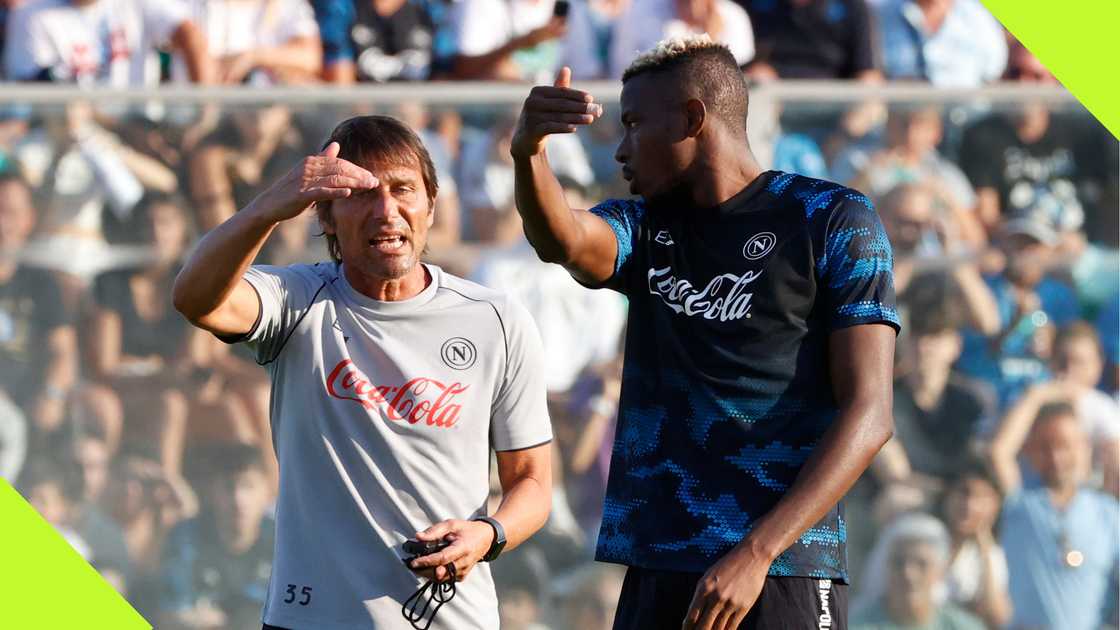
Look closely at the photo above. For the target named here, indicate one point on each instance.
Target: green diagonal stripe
(45, 584)
(1078, 42)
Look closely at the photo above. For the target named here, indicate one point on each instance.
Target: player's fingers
(332, 167)
(563, 78)
(572, 119)
(544, 129)
(322, 193)
(736, 619)
(435, 532)
(565, 105)
(712, 611)
(548, 91)
(331, 150)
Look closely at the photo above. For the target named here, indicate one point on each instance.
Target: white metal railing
(477, 93)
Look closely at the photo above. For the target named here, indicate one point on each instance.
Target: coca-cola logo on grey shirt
(379, 435)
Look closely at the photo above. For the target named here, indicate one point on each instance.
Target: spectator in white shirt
(650, 21)
(507, 39)
(101, 42)
(260, 41)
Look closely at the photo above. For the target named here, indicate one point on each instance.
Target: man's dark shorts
(659, 600)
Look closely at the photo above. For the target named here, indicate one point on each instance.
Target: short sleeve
(624, 217)
(855, 271)
(162, 17)
(520, 412)
(481, 26)
(28, 49)
(297, 20)
(285, 294)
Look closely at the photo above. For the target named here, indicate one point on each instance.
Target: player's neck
(719, 178)
(389, 289)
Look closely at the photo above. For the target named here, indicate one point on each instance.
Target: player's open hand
(726, 593)
(550, 109)
(316, 178)
(470, 541)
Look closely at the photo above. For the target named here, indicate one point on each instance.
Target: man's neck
(1061, 496)
(389, 290)
(720, 177)
(240, 542)
(910, 613)
(8, 269)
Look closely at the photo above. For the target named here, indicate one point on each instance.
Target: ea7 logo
(759, 245)
(664, 237)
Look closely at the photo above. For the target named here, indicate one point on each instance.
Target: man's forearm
(192, 42)
(524, 509)
(549, 225)
(842, 455)
(219, 262)
(302, 56)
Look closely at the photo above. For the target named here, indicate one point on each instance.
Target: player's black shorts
(659, 600)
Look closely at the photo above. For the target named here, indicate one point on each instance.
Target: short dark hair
(935, 319)
(1054, 411)
(225, 461)
(704, 69)
(1075, 331)
(379, 140)
(63, 471)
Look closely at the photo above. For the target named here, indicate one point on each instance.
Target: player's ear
(696, 116)
(431, 213)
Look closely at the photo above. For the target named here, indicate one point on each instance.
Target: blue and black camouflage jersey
(726, 387)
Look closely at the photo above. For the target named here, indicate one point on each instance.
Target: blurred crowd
(146, 443)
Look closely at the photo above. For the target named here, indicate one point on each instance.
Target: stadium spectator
(101, 42)
(1029, 304)
(592, 28)
(54, 488)
(146, 503)
(938, 413)
(110, 554)
(1078, 363)
(216, 565)
(379, 41)
(140, 346)
(905, 579)
(647, 22)
(1030, 160)
(38, 344)
(950, 43)
(1060, 538)
(812, 39)
(259, 42)
(977, 575)
(507, 40)
(87, 184)
(910, 155)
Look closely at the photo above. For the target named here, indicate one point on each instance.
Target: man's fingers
(332, 166)
(331, 150)
(564, 105)
(435, 532)
(695, 609)
(551, 91)
(736, 619)
(712, 611)
(563, 78)
(322, 193)
(544, 129)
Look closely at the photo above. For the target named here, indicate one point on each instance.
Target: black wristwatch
(499, 543)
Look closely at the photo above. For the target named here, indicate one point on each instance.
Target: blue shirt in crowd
(726, 387)
(1045, 591)
(1012, 366)
(968, 50)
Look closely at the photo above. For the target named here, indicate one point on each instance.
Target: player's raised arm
(579, 240)
(210, 290)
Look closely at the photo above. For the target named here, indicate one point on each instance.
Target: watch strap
(499, 543)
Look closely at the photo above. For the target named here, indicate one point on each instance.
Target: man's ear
(696, 115)
(326, 218)
(431, 213)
